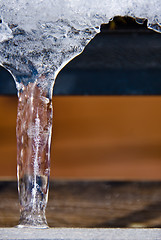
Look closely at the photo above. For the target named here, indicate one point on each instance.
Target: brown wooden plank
(94, 137)
(91, 204)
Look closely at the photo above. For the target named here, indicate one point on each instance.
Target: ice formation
(37, 38)
(40, 36)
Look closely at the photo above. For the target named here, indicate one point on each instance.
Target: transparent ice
(37, 39)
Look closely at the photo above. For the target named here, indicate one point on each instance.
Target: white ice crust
(41, 36)
(28, 14)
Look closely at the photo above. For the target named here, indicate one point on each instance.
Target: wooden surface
(91, 204)
(94, 138)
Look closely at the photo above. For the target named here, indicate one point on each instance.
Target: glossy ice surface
(34, 124)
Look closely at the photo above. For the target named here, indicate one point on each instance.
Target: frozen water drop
(5, 31)
(140, 20)
(156, 27)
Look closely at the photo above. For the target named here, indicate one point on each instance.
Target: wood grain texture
(91, 204)
(94, 138)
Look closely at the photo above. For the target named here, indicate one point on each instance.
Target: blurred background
(107, 118)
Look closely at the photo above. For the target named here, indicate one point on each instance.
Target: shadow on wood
(91, 204)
